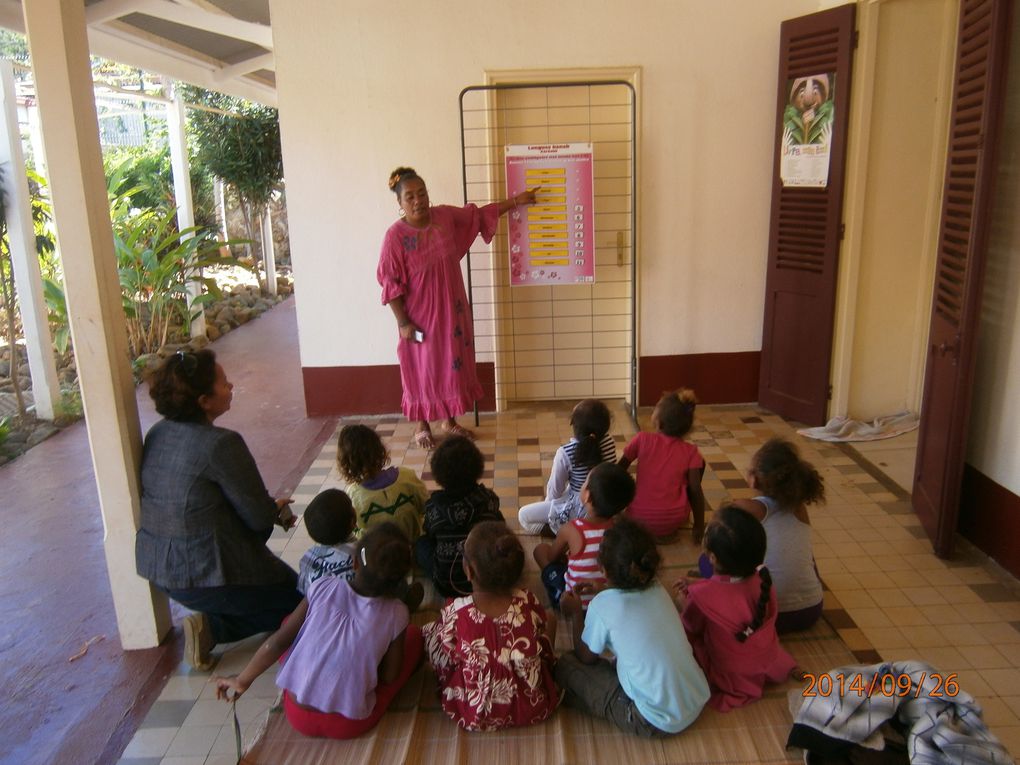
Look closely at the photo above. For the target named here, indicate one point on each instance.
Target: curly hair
(781, 474)
(457, 464)
(675, 412)
(385, 556)
(496, 556)
(629, 556)
(360, 453)
(177, 384)
(738, 541)
(401, 174)
(330, 517)
(590, 421)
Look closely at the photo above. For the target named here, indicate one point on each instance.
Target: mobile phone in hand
(419, 336)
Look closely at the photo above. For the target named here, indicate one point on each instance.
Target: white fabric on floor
(845, 429)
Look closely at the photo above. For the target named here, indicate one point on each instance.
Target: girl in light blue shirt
(656, 687)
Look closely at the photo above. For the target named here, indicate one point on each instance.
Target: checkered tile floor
(887, 595)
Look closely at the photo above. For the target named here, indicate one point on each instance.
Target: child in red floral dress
(492, 650)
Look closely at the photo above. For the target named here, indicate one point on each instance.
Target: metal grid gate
(565, 341)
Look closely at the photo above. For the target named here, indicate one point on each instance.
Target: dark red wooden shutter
(978, 96)
(805, 231)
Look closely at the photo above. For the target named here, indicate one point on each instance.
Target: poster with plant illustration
(807, 130)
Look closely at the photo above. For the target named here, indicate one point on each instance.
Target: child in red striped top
(570, 568)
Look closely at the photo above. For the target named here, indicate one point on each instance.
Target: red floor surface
(56, 591)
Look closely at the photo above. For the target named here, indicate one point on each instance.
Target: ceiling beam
(186, 15)
(125, 48)
(241, 68)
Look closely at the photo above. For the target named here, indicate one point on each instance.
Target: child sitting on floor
(349, 645)
(379, 493)
(492, 650)
(655, 687)
(451, 512)
(570, 564)
(330, 521)
(669, 470)
(788, 485)
(730, 619)
(590, 445)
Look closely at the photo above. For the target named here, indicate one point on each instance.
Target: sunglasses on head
(188, 362)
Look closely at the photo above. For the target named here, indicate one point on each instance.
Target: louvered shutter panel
(978, 95)
(804, 232)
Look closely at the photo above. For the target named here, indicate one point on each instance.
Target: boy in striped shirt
(569, 564)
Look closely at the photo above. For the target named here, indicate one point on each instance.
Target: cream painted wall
(994, 447)
(898, 208)
(366, 86)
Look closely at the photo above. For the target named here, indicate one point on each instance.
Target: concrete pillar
(35, 139)
(221, 214)
(269, 251)
(181, 169)
(60, 55)
(21, 237)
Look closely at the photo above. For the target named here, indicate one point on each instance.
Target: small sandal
(424, 439)
(459, 430)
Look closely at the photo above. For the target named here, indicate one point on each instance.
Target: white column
(35, 139)
(269, 251)
(21, 237)
(181, 170)
(221, 213)
(60, 54)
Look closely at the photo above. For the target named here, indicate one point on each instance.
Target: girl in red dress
(492, 650)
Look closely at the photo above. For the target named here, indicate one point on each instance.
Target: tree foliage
(243, 151)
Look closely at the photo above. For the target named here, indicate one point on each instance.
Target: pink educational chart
(553, 240)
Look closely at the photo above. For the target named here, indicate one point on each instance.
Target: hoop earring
(401, 212)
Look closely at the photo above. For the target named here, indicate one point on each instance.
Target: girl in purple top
(419, 271)
(348, 647)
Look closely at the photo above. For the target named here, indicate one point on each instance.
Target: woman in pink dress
(419, 270)
(730, 619)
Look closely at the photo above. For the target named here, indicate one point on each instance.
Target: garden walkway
(55, 591)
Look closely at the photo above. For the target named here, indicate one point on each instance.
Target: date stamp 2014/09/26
(882, 684)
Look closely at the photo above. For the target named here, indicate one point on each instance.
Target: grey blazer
(206, 514)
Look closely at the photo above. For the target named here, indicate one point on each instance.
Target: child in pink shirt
(669, 470)
(730, 619)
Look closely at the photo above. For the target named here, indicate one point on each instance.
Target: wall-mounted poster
(807, 130)
(553, 240)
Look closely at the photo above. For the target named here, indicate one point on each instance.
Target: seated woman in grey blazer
(206, 514)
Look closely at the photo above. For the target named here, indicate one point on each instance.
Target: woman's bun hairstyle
(400, 175)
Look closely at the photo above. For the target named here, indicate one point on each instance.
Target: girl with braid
(730, 618)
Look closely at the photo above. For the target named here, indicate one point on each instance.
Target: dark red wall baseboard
(717, 378)
(990, 518)
(370, 390)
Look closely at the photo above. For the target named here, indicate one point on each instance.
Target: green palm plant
(156, 263)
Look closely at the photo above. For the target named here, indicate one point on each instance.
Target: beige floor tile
(856, 563)
(989, 657)
(924, 596)
(962, 635)
(1002, 681)
(946, 659)
(870, 617)
(855, 639)
(855, 599)
(1009, 737)
(903, 616)
(887, 639)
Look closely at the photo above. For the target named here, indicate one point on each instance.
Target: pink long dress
(737, 672)
(423, 266)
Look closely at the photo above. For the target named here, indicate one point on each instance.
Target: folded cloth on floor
(845, 429)
(943, 722)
